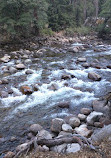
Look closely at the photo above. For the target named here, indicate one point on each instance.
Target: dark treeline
(35, 17)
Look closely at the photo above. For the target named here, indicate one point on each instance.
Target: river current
(18, 112)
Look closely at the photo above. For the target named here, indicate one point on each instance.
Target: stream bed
(19, 111)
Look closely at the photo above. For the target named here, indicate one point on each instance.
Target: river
(18, 111)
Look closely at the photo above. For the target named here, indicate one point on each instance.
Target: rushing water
(18, 112)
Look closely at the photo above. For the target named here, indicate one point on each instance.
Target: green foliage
(77, 30)
(60, 15)
(20, 17)
(47, 32)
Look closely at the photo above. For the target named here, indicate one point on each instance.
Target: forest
(41, 17)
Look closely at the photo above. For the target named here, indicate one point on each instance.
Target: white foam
(10, 101)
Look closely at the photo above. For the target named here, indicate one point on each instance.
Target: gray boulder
(94, 117)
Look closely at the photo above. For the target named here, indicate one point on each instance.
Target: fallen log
(59, 141)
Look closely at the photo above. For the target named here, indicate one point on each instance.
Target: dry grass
(86, 153)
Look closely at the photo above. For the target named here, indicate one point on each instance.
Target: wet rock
(65, 77)
(5, 81)
(53, 87)
(36, 87)
(43, 134)
(22, 147)
(72, 148)
(74, 122)
(100, 106)
(109, 66)
(4, 94)
(83, 130)
(20, 66)
(35, 128)
(86, 65)
(81, 59)
(63, 104)
(98, 124)
(59, 148)
(29, 72)
(74, 49)
(82, 117)
(67, 128)
(10, 91)
(5, 69)
(94, 76)
(56, 125)
(95, 65)
(26, 90)
(25, 56)
(85, 111)
(12, 70)
(28, 61)
(5, 59)
(94, 117)
(12, 139)
(10, 154)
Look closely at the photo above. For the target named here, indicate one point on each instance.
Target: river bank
(53, 79)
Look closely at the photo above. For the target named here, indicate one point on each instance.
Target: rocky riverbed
(55, 82)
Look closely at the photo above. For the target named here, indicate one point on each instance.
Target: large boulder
(74, 122)
(83, 130)
(43, 134)
(94, 76)
(56, 125)
(35, 128)
(94, 117)
(102, 134)
(26, 90)
(100, 106)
